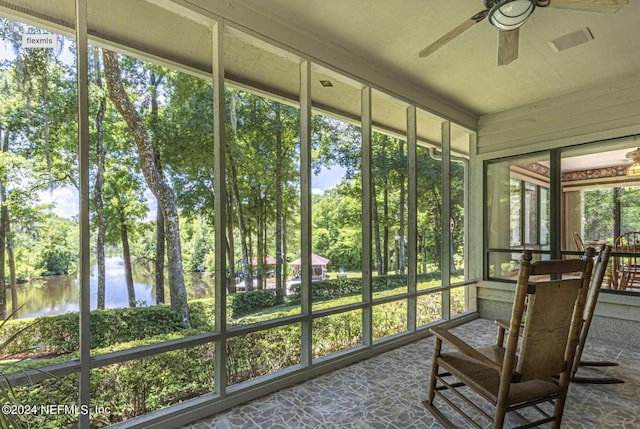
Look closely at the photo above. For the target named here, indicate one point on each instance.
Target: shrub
(127, 389)
(248, 302)
(150, 383)
(60, 334)
(202, 313)
(331, 289)
(262, 352)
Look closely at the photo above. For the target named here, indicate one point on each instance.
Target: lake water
(60, 294)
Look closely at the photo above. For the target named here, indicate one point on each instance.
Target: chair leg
(434, 370)
(558, 408)
(500, 414)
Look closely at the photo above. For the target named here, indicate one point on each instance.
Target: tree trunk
(4, 220)
(12, 269)
(376, 230)
(160, 252)
(97, 198)
(285, 250)
(231, 284)
(423, 252)
(260, 243)
(385, 222)
(246, 263)
(126, 255)
(155, 81)
(401, 258)
(161, 189)
(47, 129)
(279, 217)
(437, 226)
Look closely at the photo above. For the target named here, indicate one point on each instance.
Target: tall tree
(6, 239)
(163, 192)
(99, 181)
(263, 175)
(155, 79)
(185, 142)
(4, 227)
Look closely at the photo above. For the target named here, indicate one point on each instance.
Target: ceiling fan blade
(453, 34)
(508, 43)
(606, 6)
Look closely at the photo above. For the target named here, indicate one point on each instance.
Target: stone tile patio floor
(386, 391)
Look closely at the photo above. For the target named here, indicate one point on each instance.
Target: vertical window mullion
(367, 196)
(85, 257)
(523, 212)
(412, 203)
(305, 215)
(220, 198)
(445, 219)
(555, 197)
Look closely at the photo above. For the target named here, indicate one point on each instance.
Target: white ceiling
(388, 35)
(374, 40)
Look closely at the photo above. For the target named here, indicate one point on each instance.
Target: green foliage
(196, 238)
(58, 246)
(128, 389)
(599, 214)
(330, 289)
(337, 231)
(7, 394)
(384, 324)
(278, 348)
(322, 290)
(202, 313)
(336, 332)
(248, 302)
(60, 334)
(132, 388)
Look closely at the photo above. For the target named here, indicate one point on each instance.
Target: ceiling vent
(570, 40)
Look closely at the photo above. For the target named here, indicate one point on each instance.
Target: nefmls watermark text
(54, 409)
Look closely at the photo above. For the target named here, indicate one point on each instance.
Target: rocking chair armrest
(503, 324)
(462, 347)
(503, 327)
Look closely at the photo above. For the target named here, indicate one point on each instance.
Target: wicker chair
(536, 364)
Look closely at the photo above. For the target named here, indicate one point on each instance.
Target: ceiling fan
(508, 15)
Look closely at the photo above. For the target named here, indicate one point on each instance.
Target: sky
(327, 179)
(67, 203)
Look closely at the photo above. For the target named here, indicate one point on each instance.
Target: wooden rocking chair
(537, 362)
(599, 271)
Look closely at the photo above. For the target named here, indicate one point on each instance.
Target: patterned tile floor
(386, 392)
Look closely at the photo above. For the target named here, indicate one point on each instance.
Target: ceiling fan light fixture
(634, 169)
(509, 14)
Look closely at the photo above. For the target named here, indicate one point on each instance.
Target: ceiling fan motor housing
(508, 15)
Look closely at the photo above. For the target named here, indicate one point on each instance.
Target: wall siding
(609, 111)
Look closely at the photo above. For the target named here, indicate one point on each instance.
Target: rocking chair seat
(486, 380)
